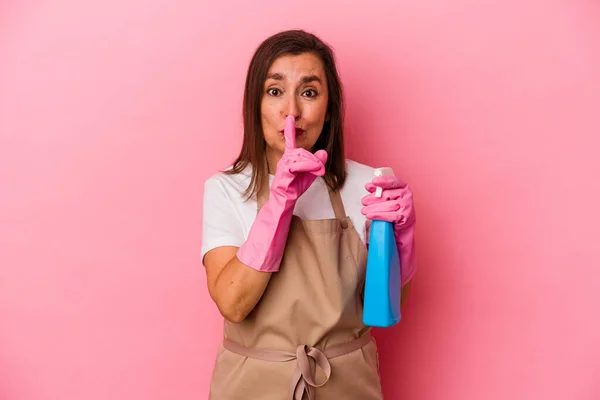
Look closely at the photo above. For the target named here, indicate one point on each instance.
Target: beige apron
(305, 339)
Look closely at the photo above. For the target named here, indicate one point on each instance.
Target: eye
(273, 92)
(310, 93)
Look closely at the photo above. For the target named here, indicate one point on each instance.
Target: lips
(298, 131)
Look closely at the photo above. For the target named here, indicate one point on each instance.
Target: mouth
(299, 131)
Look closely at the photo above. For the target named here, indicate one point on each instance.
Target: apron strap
(338, 206)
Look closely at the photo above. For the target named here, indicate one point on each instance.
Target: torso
(311, 309)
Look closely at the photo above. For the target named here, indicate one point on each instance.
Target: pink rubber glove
(395, 205)
(296, 171)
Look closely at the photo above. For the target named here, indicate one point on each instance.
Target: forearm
(238, 289)
(263, 249)
(244, 278)
(404, 291)
(405, 241)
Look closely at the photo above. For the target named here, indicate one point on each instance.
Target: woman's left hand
(395, 204)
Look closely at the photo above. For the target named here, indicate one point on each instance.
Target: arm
(404, 293)
(235, 288)
(238, 276)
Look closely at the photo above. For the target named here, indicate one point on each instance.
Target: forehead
(294, 67)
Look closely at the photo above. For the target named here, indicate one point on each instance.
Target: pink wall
(106, 114)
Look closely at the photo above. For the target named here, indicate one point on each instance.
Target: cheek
(317, 116)
(317, 112)
(270, 133)
(268, 115)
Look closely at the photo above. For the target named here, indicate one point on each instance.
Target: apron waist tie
(303, 377)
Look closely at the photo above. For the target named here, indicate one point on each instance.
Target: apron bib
(305, 339)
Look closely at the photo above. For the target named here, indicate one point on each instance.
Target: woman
(284, 237)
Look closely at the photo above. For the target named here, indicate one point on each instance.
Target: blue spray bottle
(382, 282)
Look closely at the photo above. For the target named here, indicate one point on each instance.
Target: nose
(291, 107)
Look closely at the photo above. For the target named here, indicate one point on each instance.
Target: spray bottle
(382, 281)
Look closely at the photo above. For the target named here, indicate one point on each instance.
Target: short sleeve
(220, 224)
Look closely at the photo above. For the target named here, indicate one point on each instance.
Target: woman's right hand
(298, 168)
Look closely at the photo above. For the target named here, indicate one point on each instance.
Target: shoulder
(357, 175)
(358, 172)
(227, 185)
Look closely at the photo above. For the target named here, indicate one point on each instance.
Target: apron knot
(307, 360)
(304, 377)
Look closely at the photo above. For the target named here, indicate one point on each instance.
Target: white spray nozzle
(384, 171)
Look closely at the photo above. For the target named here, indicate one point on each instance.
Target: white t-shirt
(228, 216)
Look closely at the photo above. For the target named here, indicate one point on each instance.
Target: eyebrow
(305, 79)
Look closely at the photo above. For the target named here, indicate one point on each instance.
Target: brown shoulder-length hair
(290, 42)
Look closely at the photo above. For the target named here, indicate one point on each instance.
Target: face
(295, 86)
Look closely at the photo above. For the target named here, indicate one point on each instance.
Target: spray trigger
(384, 171)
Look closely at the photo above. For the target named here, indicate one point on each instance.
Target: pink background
(113, 113)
